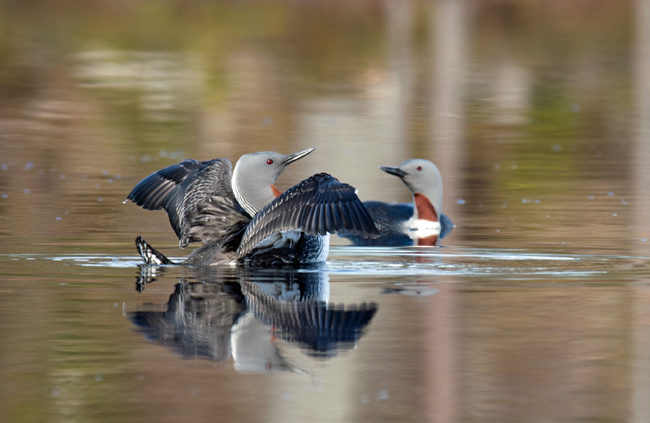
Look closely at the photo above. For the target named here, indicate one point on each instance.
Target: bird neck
(250, 194)
(424, 208)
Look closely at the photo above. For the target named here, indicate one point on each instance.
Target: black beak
(393, 171)
(299, 155)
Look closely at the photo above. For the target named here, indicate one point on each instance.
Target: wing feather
(335, 217)
(346, 222)
(322, 220)
(317, 205)
(151, 193)
(355, 213)
(198, 199)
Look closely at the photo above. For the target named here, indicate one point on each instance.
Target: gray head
(255, 174)
(421, 177)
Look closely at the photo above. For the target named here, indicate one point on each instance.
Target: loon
(243, 218)
(420, 222)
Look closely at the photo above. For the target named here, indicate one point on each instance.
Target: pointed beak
(393, 171)
(295, 156)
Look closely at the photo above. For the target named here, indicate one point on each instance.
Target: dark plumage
(317, 205)
(389, 219)
(198, 199)
(206, 202)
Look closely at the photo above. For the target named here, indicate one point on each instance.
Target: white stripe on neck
(242, 200)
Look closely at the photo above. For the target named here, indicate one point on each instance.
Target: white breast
(420, 228)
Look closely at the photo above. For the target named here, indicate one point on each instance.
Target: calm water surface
(535, 308)
(451, 334)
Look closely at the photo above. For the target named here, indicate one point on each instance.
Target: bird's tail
(149, 254)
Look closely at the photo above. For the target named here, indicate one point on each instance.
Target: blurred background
(536, 112)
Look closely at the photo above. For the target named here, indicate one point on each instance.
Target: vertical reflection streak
(447, 55)
(641, 321)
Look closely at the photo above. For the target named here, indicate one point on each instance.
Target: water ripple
(392, 262)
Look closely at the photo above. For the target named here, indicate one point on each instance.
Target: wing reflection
(256, 317)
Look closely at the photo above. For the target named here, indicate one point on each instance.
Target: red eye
(269, 162)
(419, 168)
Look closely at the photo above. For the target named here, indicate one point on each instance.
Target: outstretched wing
(210, 210)
(198, 199)
(163, 190)
(317, 205)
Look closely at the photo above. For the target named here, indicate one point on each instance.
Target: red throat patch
(275, 190)
(429, 241)
(424, 207)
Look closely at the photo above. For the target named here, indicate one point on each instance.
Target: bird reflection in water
(254, 316)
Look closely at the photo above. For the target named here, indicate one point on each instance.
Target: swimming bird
(242, 217)
(420, 222)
